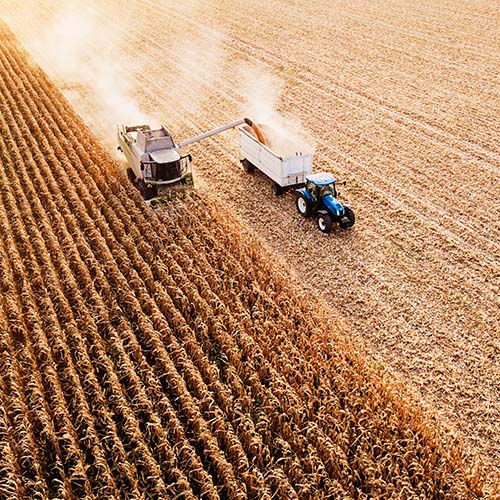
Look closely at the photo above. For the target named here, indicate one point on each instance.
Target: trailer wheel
(324, 222)
(303, 206)
(348, 220)
(248, 167)
(147, 191)
(277, 189)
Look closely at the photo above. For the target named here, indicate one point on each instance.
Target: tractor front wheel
(348, 220)
(303, 206)
(324, 222)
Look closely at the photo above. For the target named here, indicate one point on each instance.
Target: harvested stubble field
(167, 354)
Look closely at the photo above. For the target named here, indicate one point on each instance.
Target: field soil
(399, 99)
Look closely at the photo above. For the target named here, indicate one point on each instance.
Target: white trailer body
(285, 172)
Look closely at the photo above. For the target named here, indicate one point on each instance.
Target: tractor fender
(302, 191)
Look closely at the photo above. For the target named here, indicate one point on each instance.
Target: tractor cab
(319, 197)
(320, 185)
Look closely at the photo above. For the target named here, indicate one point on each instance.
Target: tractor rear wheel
(348, 220)
(324, 222)
(303, 206)
(248, 167)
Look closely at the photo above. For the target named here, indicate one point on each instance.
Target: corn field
(399, 99)
(154, 354)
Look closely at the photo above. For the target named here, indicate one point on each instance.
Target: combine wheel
(348, 220)
(248, 167)
(277, 189)
(303, 206)
(324, 222)
(131, 176)
(147, 191)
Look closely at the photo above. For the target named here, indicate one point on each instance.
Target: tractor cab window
(312, 190)
(328, 190)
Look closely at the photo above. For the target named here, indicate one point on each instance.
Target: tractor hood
(333, 205)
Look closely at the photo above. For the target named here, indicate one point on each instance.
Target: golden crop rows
(164, 355)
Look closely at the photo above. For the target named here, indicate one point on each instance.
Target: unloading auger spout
(223, 128)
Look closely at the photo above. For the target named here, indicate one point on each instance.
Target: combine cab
(154, 159)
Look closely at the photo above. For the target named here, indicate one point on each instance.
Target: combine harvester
(155, 161)
(157, 167)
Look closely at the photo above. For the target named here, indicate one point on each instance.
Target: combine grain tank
(286, 172)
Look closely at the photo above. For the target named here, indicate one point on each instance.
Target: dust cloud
(262, 92)
(65, 49)
(87, 55)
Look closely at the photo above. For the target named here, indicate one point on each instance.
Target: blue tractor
(319, 197)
